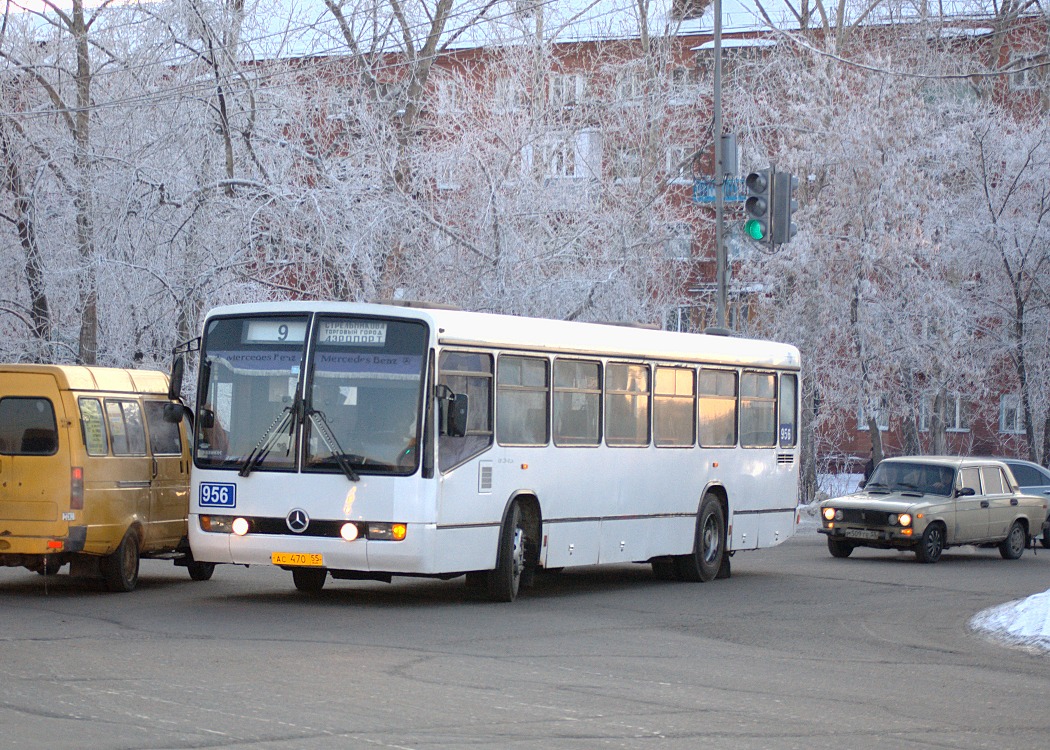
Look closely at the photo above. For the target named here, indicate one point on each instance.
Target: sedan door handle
(984, 503)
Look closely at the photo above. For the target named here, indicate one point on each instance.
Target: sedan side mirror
(965, 492)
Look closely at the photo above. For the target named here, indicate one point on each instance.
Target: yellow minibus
(94, 472)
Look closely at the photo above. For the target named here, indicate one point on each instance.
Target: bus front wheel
(505, 580)
(709, 544)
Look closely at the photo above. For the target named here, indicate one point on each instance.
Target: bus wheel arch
(708, 560)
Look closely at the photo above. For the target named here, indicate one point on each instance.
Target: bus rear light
(55, 544)
(76, 488)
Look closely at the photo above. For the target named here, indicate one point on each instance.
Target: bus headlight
(348, 531)
(240, 526)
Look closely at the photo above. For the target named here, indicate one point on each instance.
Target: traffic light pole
(721, 264)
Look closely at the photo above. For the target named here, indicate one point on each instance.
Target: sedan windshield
(920, 478)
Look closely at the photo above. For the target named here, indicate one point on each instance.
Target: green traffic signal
(755, 229)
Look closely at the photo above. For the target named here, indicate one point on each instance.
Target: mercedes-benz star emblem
(297, 520)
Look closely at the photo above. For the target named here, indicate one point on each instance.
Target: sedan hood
(893, 502)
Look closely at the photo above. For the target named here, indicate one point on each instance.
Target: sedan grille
(871, 517)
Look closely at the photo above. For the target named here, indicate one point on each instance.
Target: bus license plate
(298, 559)
(862, 534)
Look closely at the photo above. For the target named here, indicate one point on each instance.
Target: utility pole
(721, 264)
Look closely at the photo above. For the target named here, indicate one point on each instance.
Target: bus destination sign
(359, 332)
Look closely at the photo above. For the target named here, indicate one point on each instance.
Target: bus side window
(469, 373)
(627, 405)
(522, 400)
(788, 411)
(718, 408)
(758, 410)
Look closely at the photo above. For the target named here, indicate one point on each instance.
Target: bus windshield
(250, 369)
(364, 394)
(359, 408)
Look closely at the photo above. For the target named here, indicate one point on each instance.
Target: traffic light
(784, 205)
(758, 206)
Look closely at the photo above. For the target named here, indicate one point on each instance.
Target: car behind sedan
(926, 504)
(1033, 479)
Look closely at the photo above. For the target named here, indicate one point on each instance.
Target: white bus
(366, 441)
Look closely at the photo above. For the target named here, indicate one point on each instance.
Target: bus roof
(461, 328)
(84, 378)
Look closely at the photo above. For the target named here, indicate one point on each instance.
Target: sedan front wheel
(931, 545)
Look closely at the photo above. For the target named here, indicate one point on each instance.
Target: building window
(630, 87)
(956, 414)
(1010, 421)
(679, 242)
(566, 90)
(1025, 71)
(683, 85)
(448, 96)
(508, 96)
(679, 164)
(627, 163)
(881, 414)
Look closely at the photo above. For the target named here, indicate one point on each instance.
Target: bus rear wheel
(709, 544)
(309, 580)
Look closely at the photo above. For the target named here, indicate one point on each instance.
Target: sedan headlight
(904, 519)
(892, 519)
(829, 514)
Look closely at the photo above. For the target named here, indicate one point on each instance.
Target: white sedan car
(927, 504)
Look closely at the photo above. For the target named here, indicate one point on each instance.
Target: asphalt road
(796, 650)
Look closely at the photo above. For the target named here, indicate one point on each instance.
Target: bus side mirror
(178, 369)
(174, 413)
(207, 419)
(457, 415)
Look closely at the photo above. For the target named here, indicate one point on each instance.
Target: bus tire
(709, 543)
(505, 581)
(120, 571)
(201, 571)
(309, 580)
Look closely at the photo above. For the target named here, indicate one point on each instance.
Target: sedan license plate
(298, 559)
(862, 534)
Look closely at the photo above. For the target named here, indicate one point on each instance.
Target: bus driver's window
(469, 373)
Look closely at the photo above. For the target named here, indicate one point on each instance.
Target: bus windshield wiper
(285, 421)
(328, 436)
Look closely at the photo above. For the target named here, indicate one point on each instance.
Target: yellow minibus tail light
(76, 488)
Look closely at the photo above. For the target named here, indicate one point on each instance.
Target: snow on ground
(1025, 622)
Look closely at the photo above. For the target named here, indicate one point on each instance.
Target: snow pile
(1025, 622)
